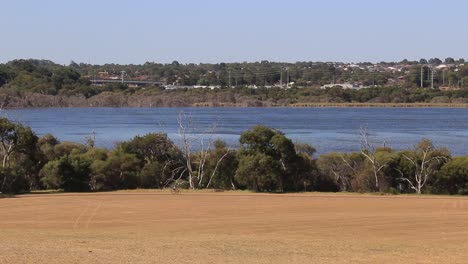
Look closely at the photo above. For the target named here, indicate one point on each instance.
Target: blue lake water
(327, 129)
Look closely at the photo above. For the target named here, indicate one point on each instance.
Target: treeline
(266, 161)
(39, 83)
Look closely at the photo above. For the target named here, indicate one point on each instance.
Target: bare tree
(425, 160)
(90, 140)
(185, 123)
(343, 167)
(203, 139)
(369, 151)
(216, 168)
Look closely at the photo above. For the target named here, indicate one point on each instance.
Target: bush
(453, 177)
(259, 173)
(50, 176)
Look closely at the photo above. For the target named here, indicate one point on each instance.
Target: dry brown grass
(156, 227)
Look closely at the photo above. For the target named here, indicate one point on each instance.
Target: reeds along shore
(34, 100)
(396, 105)
(342, 105)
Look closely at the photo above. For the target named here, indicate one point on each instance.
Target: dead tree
(341, 166)
(185, 122)
(187, 131)
(369, 151)
(424, 159)
(216, 168)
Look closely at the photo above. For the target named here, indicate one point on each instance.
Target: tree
(449, 60)
(342, 168)
(24, 65)
(304, 148)
(185, 126)
(162, 160)
(452, 177)
(47, 145)
(119, 171)
(435, 61)
(67, 148)
(153, 175)
(423, 161)
(195, 163)
(373, 155)
(463, 71)
(50, 175)
(95, 157)
(152, 147)
(259, 172)
(18, 151)
(453, 78)
(263, 141)
(6, 75)
(221, 166)
(71, 174)
(75, 174)
(64, 76)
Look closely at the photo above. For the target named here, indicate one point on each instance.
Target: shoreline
(296, 105)
(381, 105)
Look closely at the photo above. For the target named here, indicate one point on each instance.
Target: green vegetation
(40, 83)
(267, 161)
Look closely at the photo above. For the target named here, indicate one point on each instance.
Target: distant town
(433, 73)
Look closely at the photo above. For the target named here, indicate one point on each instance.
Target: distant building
(174, 86)
(344, 86)
(103, 74)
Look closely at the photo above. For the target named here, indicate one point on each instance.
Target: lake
(327, 129)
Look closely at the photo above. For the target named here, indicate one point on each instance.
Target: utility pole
(443, 78)
(373, 78)
(287, 77)
(458, 79)
(432, 78)
(281, 77)
(123, 74)
(229, 81)
(422, 76)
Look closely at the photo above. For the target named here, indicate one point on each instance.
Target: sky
(212, 31)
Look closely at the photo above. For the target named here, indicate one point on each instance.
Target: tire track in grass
(77, 220)
(93, 214)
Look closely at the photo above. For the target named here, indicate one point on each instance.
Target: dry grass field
(232, 227)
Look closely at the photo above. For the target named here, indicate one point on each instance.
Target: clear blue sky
(120, 31)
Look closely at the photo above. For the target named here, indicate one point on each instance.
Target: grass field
(232, 227)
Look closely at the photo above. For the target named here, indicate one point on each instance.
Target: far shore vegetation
(424, 83)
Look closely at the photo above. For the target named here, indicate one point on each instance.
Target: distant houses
(353, 86)
(174, 86)
(354, 76)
